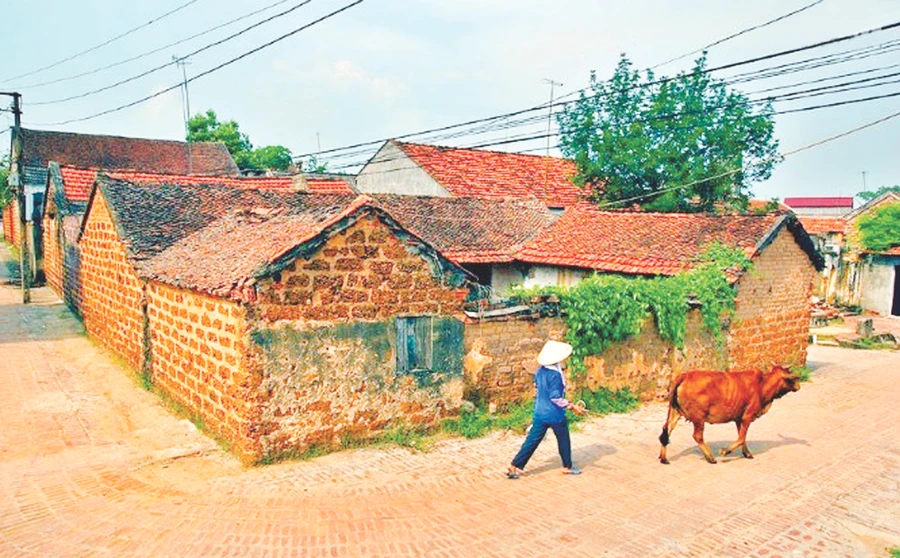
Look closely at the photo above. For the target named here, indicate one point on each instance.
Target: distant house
(870, 279)
(429, 170)
(107, 152)
(828, 235)
(833, 206)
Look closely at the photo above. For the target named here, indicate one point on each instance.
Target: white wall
(504, 277)
(876, 285)
(391, 172)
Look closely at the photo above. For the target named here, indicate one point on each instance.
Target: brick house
(284, 320)
(773, 300)
(429, 170)
(68, 189)
(869, 279)
(40, 147)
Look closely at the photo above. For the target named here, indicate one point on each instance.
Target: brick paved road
(91, 465)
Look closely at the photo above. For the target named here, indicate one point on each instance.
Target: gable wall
(392, 172)
(772, 319)
(112, 293)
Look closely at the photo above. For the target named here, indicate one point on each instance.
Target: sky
(385, 68)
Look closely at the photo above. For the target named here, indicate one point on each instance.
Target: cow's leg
(671, 420)
(698, 437)
(742, 438)
(736, 444)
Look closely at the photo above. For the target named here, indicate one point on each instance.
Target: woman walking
(549, 409)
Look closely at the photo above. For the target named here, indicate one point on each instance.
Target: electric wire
(211, 70)
(544, 106)
(154, 51)
(103, 44)
(738, 34)
(167, 64)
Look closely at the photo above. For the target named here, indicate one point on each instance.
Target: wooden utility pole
(17, 180)
(550, 109)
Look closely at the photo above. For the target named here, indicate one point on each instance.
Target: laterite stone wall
(772, 320)
(53, 265)
(112, 292)
(200, 358)
(12, 230)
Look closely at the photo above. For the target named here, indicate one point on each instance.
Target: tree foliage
(206, 127)
(880, 230)
(869, 196)
(669, 145)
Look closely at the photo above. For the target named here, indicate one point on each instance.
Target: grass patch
(802, 372)
(885, 342)
(895, 552)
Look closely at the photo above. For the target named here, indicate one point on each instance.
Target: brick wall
(12, 229)
(364, 273)
(201, 358)
(111, 290)
(773, 308)
(501, 358)
(53, 265)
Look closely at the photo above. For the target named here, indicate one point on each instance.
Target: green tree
(206, 127)
(314, 166)
(880, 230)
(869, 196)
(685, 144)
(6, 191)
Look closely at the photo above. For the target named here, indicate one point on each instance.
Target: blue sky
(386, 68)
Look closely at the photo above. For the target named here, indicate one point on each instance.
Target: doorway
(895, 307)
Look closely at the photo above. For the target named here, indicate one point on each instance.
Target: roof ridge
(111, 136)
(479, 150)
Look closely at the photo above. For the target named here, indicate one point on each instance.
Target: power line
(211, 70)
(738, 34)
(154, 51)
(103, 44)
(543, 106)
(167, 64)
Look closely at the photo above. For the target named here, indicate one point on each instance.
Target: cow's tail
(674, 410)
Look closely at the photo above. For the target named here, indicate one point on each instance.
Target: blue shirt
(549, 405)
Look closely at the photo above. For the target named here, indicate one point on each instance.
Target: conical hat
(553, 352)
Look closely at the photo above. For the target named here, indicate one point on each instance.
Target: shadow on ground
(757, 448)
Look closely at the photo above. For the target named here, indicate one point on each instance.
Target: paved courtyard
(93, 465)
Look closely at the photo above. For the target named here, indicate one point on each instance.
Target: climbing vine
(606, 309)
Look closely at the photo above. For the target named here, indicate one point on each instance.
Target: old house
(828, 235)
(834, 206)
(284, 320)
(67, 191)
(773, 299)
(869, 279)
(429, 170)
(39, 148)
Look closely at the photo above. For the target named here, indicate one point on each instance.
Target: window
(414, 343)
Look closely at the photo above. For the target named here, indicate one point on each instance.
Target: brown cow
(717, 397)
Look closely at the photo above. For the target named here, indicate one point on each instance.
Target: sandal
(512, 473)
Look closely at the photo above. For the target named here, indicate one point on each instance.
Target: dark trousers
(536, 434)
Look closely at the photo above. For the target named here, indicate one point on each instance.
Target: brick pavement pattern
(93, 465)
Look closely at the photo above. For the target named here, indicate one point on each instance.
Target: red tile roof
(469, 230)
(823, 225)
(78, 181)
(497, 175)
(328, 186)
(641, 243)
(118, 153)
(819, 202)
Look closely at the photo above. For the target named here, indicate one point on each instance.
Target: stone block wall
(113, 297)
(12, 229)
(364, 273)
(53, 265)
(200, 357)
(501, 359)
(772, 320)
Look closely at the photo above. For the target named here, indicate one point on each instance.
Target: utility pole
(17, 180)
(550, 109)
(186, 108)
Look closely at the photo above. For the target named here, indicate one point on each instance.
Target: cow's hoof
(711, 461)
(748, 455)
(663, 460)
